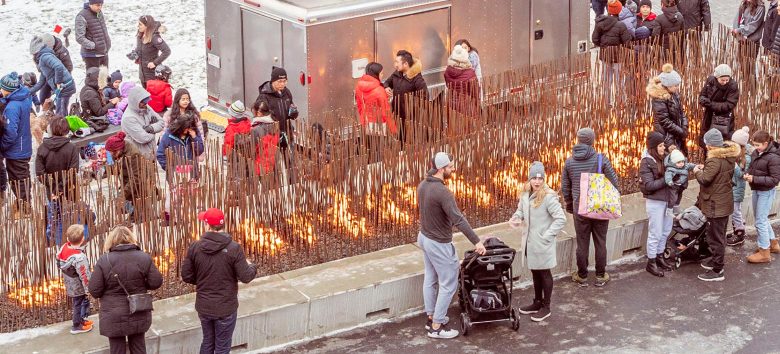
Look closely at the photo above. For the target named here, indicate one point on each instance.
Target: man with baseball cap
(215, 264)
(438, 214)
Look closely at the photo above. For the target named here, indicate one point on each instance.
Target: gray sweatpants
(441, 276)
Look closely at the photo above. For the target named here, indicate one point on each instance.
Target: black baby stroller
(486, 286)
(688, 240)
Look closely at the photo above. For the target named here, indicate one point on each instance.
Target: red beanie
(614, 7)
(116, 142)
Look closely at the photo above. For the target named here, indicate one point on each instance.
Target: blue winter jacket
(739, 183)
(189, 146)
(53, 73)
(629, 19)
(16, 143)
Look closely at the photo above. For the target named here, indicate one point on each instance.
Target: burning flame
(460, 188)
(302, 228)
(341, 216)
(390, 211)
(259, 237)
(165, 261)
(47, 292)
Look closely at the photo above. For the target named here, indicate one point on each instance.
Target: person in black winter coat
(672, 23)
(215, 264)
(668, 116)
(150, 47)
(719, 97)
(609, 34)
(406, 79)
(92, 98)
(123, 261)
(771, 23)
(657, 197)
(696, 13)
(279, 100)
(55, 157)
(92, 34)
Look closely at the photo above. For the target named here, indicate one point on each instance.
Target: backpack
(75, 109)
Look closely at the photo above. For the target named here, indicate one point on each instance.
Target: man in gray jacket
(92, 34)
(140, 123)
(438, 214)
(584, 159)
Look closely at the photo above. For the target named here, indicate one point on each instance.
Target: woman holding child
(657, 197)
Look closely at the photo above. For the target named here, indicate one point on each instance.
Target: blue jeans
(217, 333)
(441, 276)
(659, 225)
(599, 6)
(80, 310)
(762, 202)
(62, 103)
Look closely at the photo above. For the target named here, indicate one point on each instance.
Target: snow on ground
(22, 19)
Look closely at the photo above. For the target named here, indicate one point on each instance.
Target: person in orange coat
(238, 123)
(160, 90)
(372, 102)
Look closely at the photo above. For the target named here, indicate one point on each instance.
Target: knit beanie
(536, 170)
(116, 142)
(116, 76)
(614, 7)
(237, 110)
(722, 70)
(95, 2)
(586, 136)
(676, 156)
(713, 137)
(741, 136)
(278, 73)
(459, 58)
(48, 40)
(653, 140)
(36, 44)
(441, 160)
(647, 3)
(669, 77)
(10, 82)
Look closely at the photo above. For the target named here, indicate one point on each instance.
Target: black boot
(661, 262)
(652, 268)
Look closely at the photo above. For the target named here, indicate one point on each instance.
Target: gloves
(154, 119)
(149, 129)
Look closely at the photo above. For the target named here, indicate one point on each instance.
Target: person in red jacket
(373, 104)
(462, 83)
(265, 134)
(160, 90)
(238, 123)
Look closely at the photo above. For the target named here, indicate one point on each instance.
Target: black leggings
(543, 284)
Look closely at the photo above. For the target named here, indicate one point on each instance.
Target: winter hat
(669, 77)
(441, 160)
(237, 110)
(115, 76)
(536, 170)
(459, 58)
(614, 7)
(10, 82)
(741, 136)
(212, 216)
(586, 136)
(48, 40)
(36, 44)
(713, 137)
(278, 73)
(654, 139)
(722, 70)
(116, 142)
(676, 156)
(646, 3)
(95, 2)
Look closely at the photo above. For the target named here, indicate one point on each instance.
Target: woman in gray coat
(540, 214)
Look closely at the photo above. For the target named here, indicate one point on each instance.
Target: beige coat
(542, 225)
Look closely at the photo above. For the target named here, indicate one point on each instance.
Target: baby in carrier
(114, 115)
(676, 177)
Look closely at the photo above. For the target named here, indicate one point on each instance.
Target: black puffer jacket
(765, 168)
(652, 182)
(279, 103)
(771, 24)
(671, 21)
(695, 13)
(55, 157)
(155, 51)
(91, 97)
(138, 274)
(668, 116)
(91, 33)
(215, 264)
(411, 82)
(609, 32)
(62, 53)
(584, 159)
(718, 100)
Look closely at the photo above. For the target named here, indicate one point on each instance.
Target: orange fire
(460, 188)
(390, 211)
(165, 261)
(259, 237)
(339, 215)
(302, 227)
(48, 292)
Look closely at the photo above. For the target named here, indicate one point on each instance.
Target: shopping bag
(599, 199)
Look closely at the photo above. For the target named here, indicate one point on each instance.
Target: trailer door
(262, 50)
(549, 30)
(223, 40)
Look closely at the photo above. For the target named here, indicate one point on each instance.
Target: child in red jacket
(238, 123)
(160, 90)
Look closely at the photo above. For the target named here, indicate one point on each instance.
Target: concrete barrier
(314, 301)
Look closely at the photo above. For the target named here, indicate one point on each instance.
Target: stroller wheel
(515, 320)
(677, 263)
(669, 252)
(465, 324)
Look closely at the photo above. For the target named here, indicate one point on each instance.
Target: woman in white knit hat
(462, 83)
(741, 137)
(540, 211)
(719, 97)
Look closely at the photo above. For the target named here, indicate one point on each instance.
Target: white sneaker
(443, 332)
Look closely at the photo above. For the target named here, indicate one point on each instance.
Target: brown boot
(761, 256)
(774, 246)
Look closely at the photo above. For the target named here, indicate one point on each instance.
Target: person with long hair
(669, 119)
(123, 261)
(473, 56)
(183, 139)
(741, 137)
(183, 106)
(373, 103)
(763, 176)
(748, 28)
(150, 49)
(657, 196)
(540, 211)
